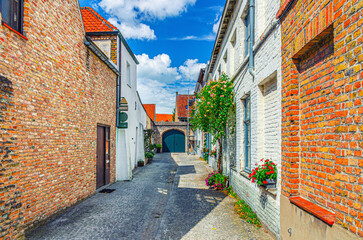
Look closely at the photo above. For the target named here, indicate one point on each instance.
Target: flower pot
(271, 183)
(158, 150)
(140, 164)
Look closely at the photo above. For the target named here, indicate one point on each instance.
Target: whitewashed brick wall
(265, 92)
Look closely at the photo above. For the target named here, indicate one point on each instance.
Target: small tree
(210, 112)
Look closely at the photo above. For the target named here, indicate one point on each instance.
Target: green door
(173, 141)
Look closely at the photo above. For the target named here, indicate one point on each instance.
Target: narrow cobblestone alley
(166, 200)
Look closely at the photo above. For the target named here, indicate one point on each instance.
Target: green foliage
(266, 170)
(149, 154)
(216, 180)
(246, 213)
(212, 105)
(159, 146)
(147, 140)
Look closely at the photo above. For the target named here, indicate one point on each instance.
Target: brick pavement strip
(166, 200)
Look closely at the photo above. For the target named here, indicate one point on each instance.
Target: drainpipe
(251, 67)
(118, 81)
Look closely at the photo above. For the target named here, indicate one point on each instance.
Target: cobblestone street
(166, 200)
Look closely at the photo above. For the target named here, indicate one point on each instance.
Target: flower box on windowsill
(271, 183)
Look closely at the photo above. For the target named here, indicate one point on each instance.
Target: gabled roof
(93, 22)
(164, 117)
(150, 111)
(181, 103)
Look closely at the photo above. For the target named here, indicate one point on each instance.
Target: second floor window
(128, 73)
(248, 33)
(12, 13)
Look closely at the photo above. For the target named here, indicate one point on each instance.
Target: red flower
(271, 168)
(268, 173)
(264, 182)
(272, 172)
(266, 160)
(250, 175)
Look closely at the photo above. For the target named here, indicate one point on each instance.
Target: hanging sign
(123, 105)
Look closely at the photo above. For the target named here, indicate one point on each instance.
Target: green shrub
(159, 146)
(149, 155)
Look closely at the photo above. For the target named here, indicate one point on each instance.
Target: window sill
(13, 30)
(272, 191)
(313, 209)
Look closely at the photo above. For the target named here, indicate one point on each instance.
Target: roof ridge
(102, 19)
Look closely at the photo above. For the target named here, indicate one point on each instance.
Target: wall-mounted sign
(124, 106)
(122, 118)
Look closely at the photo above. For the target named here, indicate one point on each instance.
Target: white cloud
(135, 31)
(209, 37)
(158, 80)
(130, 14)
(157, 68)
(191, 68)
(216, 25)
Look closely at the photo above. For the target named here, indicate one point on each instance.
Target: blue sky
(172, 39)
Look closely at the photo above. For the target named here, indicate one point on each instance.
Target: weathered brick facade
(322, 107)
(54, 91)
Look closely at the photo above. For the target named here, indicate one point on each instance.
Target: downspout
(118, 81)
(251, 64)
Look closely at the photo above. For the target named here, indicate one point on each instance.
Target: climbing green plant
(211, 110)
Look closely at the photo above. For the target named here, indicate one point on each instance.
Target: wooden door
(103, 156)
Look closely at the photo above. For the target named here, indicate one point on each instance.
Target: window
(128, 73)
(247, 128)
(12, 11)
(248, 33)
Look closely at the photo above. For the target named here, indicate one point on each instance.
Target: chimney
(177, 93)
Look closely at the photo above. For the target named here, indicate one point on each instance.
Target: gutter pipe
(118, 95)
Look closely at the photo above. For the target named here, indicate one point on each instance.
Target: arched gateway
(173, 141)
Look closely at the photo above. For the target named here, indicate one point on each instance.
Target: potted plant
(158, 147)
(149, 156)
(140, 163)
(265, 174)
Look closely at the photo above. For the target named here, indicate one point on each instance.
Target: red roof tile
(150, 111)
(93, 22)
(164, 117)
(181, 103)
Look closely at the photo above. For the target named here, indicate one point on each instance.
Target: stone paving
(166, 200)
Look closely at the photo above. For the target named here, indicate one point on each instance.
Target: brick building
(181, 103)
(322, 119)
(58, 106)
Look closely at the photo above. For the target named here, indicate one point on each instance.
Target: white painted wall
(265, 92)
(130, 141)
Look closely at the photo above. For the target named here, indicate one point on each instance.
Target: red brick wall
(322, 109)
(56, 93)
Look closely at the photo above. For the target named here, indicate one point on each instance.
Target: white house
(256, 71)
(131, 118)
